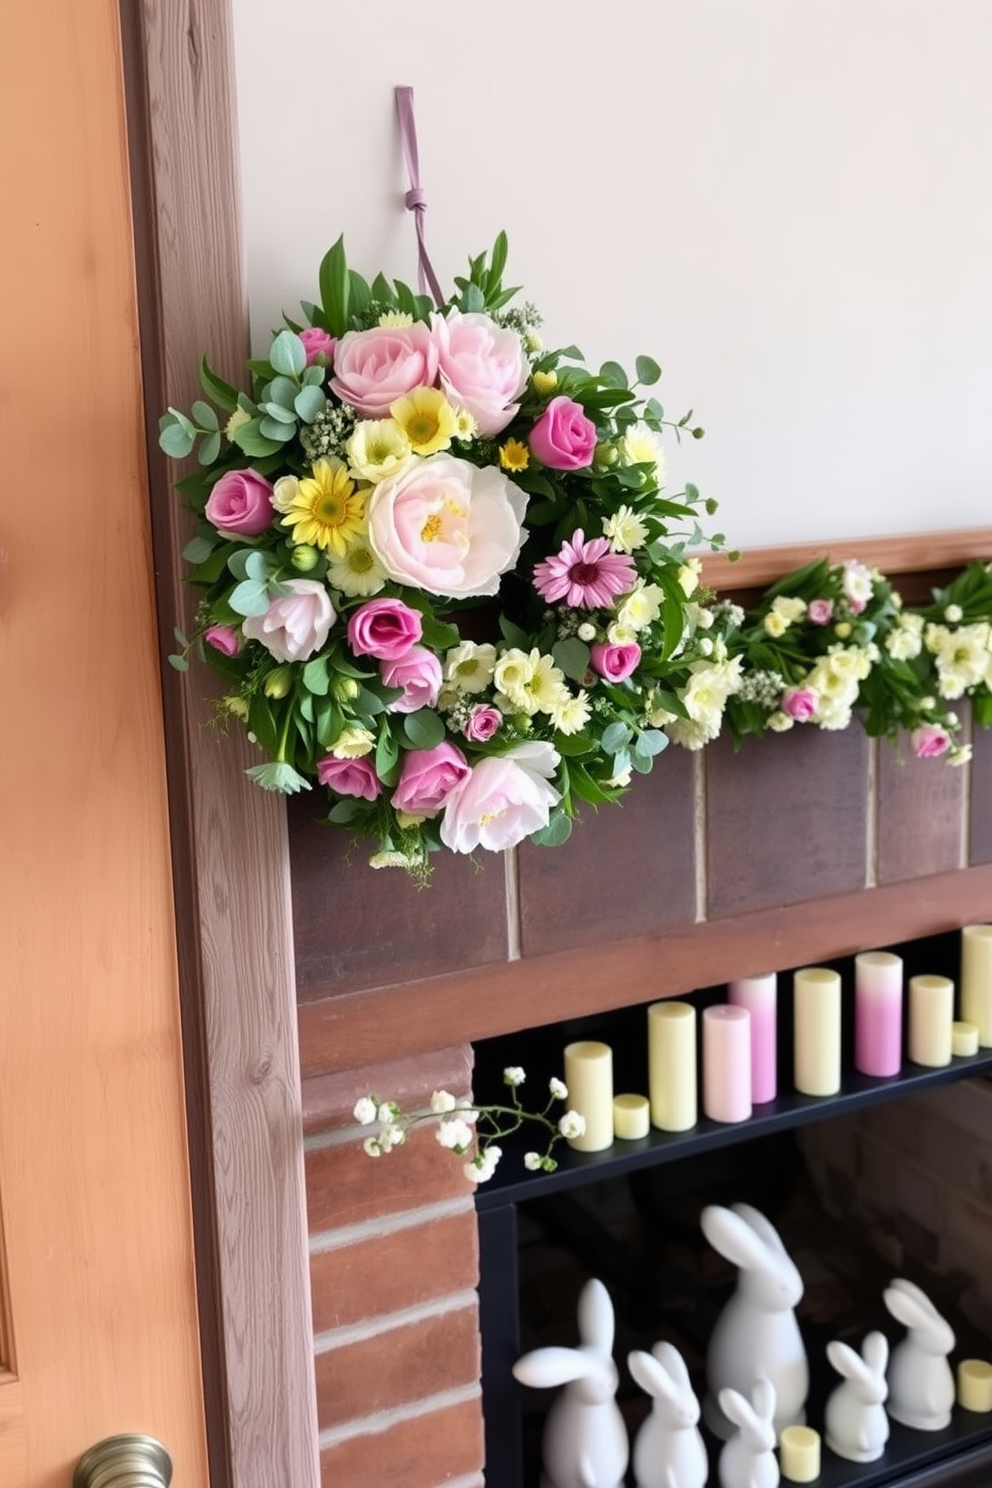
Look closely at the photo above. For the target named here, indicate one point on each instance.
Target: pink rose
(349, 777)
(800, 703)
(317, 343)
(447, 526)
(563, 438)
(223, 639)
(820, 611)
(385, 629)
(930, 741)
(239, 504)
(418, 672)
(296, 625)
(483, 723)
(483, 367)
(373, 368)
(427, 778)
(504, 800)
(615, 662)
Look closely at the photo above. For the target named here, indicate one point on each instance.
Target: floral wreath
(440, 576)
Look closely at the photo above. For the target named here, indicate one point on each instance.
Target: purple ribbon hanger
(415, 199)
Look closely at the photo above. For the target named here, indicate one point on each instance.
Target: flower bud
(344, 689)
(304, 558)
(545, 382)
(842, 629)
(605, 454)
(278, 683)
(533, 342)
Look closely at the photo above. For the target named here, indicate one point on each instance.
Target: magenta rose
(428, 777)
(483, 367)
(373, 368)
(615, 662)
(317, 343)
(930, 741)
(349, 777)
(296, 624)
(483, 723)
(385, 629)
(223, 639)
(239, 504)
(800, 703)
(820, 611)
(418, 672)
(563, 438)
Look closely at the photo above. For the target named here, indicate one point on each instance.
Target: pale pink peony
(858, 584)
(385, 629)
(427, 778)
(349, 777)
(418, 672)
(505, 799)
(239, 504)
(223, 638)
(586, 575)
(615, 662)
(820, 611)
(483, 367)
(296, 625)
(800, 703)
(483, 723)
(563, 437)
(444, 525)
(930, 741)
(373, 368)
(317, 343)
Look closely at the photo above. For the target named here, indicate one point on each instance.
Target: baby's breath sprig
(462, 1125)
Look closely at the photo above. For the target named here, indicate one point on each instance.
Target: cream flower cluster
(962, 657)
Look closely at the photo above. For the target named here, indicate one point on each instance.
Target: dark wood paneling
(920, 825)
(980, 810)
(627, 870)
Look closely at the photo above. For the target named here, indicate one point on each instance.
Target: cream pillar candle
(759, 994)
(964, 1039)
(589, 1077)
(631, 1117)
(727, 1063)
(878, 1013)
(976, 980)
(672, 1065)
(799, 1454)
(931, 1014)
(975, 1385)
(816, 1046)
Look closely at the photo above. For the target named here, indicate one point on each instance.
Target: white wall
(787, 202)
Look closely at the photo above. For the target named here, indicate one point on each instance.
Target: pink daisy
(587, 575)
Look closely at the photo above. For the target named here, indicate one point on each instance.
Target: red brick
(329, 1100)
(420, 1453)
(345, 1186)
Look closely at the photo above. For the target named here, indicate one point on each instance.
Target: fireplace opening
(636, 1226)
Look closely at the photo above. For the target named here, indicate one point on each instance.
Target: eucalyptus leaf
(275, 432)
(204, 415)
(281, 390)
(279, 413)
(642, 763)
(650, 743)
(613, 375)
(237, 562)
(198, 550)
(249, 598)
(615, 736)
(209, 449)
(176, 442)
(287, 354)
(558, 830)
(648, 371)
(309, 402)
(424, 729)
(572, 657)
(179, 662)
(256, 566)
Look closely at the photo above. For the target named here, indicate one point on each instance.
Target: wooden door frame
(229, 846)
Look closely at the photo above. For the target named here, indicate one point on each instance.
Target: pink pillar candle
(759, 994)
(727, 1063)
(878, 1013)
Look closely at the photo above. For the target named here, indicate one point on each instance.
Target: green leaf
(345, 811)
(572, 657)
(438, 635)
(335, 288)
(237, 562)
(615, 736)
(648, 371)
(249, 437)
(586, 788)
(198, 549)
(280, 413)
(287, 354)
(281, 390)
(613, 375)
(174, 441)
(316, 677)
(204, 415)
(387, 752)
(309, 402)
(256, 565)
(650, 743)
(209, 449)
(179, 662)
(249, 598)
(573, 745)
(513, 635)
(642, 763)
(558, 830)
(223, 394)
(424, 729)
(275, 432)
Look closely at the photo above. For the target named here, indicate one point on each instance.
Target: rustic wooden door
(98, 1330)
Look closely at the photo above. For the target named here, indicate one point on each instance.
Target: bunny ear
(737, 1409)
(918, 1295)
(876, 1352)
(596, 1325)
(673, 1363)
(904, 1308)
(763, 1398)
(912, 1307)
(852, 1366)
(546, 1367)
(734, 1238)
(760, 1225)
(652, 1377)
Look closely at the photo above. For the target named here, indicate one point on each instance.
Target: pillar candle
(672, 1065)
(759, 994)
(975, 1385)
(964, 1039)
(631, 1117)
(727, 1063)
(589, 1077)
(816, 1009)
(976, 980)
(931, 1014)
(878, 1013)
(799, 1453)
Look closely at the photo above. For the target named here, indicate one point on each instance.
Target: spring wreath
(439, 574)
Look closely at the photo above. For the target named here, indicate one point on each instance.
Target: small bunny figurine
(748, 1459)
(669, 1450)
(585, 1440)
(921, 1382)
(856, 1424)
(756, 1334)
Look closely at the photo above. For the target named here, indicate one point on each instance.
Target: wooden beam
(915, 553)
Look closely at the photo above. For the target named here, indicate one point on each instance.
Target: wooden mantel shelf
(917, 553)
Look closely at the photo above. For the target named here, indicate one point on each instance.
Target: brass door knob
(124, 1462)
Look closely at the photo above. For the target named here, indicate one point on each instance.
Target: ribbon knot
(415, 199)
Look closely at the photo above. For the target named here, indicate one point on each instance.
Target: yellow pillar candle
(672, 1065)
(799, 1453)
(976, 980)
(975, 1385)
(631, 1117)
(964, 1039)
(816, 1009)
(589, 1077)
(931, 1013)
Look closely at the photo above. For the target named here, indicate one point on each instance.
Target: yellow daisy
(326, 510)
(427, 419)
(513, 455)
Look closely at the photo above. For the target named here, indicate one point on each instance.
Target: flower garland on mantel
(441, 577)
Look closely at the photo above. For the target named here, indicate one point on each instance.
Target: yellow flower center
(360, 561)
(329, 509)
(431, 530)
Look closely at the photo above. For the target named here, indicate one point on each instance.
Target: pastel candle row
(976, 980)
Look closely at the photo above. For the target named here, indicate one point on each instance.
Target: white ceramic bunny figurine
(856, 1424)
(585, 1440)
(748, 1459)
(756, 1334)
(669, 1451)
(921, 1382)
